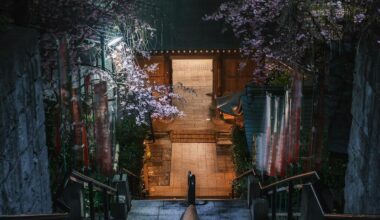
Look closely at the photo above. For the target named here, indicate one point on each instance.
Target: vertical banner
(102, 129)
(267, 129)
(297, 108)
(75, 114)
(58, 141)
(85, 148)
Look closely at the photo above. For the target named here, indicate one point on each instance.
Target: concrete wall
(24, 176)
(362, 192)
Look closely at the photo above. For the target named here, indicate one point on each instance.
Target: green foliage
(130, 137)
(241, 156)
(128, 131)
(59, 162)
(279, 78)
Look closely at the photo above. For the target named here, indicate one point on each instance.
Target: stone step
(173, 209)
(158, 135)
(211, 132)
(227, 135)
(223, 142)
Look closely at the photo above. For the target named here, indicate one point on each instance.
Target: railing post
(91, 199)
(274, 191)
(106, 204)
(290, 195)
(233, 190)
(191, 188)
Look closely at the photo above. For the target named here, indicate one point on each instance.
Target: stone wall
(362, 192)
(24, 176)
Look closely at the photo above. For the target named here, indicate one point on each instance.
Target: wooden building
(230, 73)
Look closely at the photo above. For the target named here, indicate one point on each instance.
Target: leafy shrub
(130, 137)
(241, 156)
(279, 78)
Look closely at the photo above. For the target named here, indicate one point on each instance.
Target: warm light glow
(114, 41)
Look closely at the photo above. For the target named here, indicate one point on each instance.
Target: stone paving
(214, 173)
(159, 165)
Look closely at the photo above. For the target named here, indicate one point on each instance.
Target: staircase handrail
(312, 177)
(130, 173)
(80, 178)
(191, 188)
(338, 215)
(244, 174)
(92, 184)
(190, 213)
(55, 216)
(291, 179)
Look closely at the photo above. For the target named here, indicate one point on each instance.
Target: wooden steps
(193, 136)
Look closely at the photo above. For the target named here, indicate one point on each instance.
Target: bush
(130, 137)
(241, 154)
(242, 158)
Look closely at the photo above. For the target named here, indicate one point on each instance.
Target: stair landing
(212, 167)
(173, 209)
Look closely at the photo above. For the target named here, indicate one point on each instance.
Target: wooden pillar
(217, 75)
(168, 70)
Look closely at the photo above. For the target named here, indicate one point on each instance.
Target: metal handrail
(350, 216)
(244, 174)
(302, 176)
(92, 185)
(190, 213)
(290, 179)
(191, 188)
(80, 178)
(76, 177)
(35, 216)
(130, 173)
(338, 216)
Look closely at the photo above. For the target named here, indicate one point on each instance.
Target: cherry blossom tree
(81, 23)
(301, 35)
(288, 30)
(138, 96)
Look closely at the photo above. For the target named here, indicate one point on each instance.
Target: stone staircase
(192, 136)
(223, 139)
(173, 209)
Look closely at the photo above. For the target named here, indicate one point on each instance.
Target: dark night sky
(179, 25)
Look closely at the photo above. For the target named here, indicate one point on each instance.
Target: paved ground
(214, 172)
(158, 167)
(197, 75)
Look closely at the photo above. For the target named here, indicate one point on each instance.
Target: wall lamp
(114, 41)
